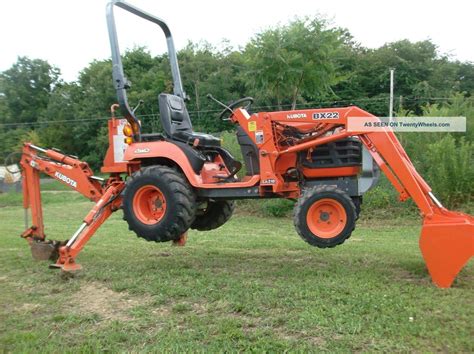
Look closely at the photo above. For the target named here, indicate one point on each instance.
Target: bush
(445, 160)
(380, 197)
(450, 170)
(277, 207)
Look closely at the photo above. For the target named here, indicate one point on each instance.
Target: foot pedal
(230, 162)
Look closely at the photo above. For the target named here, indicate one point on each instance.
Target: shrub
(277, 207)
(450, 170)
(380, 197)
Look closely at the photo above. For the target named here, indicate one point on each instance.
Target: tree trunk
(296, 91)
(278, 97)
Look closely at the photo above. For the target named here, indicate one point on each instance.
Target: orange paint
(149, 205)
(326, 218)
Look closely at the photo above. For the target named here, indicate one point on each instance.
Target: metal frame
(121, 83)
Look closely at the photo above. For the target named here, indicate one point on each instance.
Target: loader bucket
(447, 244)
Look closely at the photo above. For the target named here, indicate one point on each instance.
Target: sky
(71, 34)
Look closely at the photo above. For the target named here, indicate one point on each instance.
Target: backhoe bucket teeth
(447, 244)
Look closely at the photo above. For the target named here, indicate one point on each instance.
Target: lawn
(250, 285)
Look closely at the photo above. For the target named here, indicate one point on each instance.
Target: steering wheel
(239, 103)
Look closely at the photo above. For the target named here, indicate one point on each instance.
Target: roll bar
(120, 81)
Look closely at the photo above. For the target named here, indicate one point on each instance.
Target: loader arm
(447, 237)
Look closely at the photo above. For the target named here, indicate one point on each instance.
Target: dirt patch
(250, 323)
(403, 275)
(286, 335)
(95, 298)
(161, 311)
(27, 308)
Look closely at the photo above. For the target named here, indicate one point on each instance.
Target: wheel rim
(149, 205)
(326, 218)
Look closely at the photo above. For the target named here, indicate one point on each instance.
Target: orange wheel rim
(149, 205)
(326, 218)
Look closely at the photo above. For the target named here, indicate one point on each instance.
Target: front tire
(158, 204)
(324, 216)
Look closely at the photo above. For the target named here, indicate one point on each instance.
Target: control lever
(138, 105)
(211, 97)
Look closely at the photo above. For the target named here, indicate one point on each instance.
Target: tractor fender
(188, 160)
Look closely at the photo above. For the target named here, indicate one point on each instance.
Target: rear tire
(324, 216)
(158, 204)
(216, 214)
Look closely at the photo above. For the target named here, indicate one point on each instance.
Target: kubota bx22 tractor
(180, 179)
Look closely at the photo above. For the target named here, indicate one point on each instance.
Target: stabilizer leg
(181, 241)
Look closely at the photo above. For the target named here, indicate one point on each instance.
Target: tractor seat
(204, 140)
(177, 124)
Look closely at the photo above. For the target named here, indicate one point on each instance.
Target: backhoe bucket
(45, 250)
(447, 244)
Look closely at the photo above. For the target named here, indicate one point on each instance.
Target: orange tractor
(168, 183)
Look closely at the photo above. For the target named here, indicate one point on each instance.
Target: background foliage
(308, 62)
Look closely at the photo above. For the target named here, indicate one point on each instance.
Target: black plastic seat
(177, 124)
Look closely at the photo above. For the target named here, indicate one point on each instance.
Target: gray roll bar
(120, 82)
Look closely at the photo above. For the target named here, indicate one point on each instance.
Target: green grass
(54, 185)
(250, 285)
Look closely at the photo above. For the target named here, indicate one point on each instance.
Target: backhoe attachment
(77, 175)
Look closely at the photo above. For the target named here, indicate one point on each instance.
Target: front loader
(180, 179)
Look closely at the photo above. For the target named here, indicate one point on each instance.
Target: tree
(56, 125)
(421, 75)
(25, 88)
(149, 77)
(206, 70)
(295, 62)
